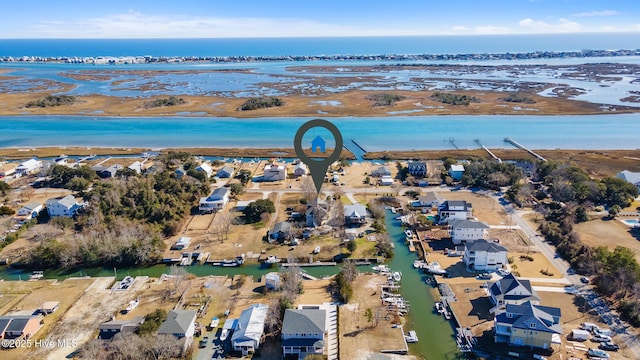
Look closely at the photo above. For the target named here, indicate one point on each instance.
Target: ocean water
(318, 46)
(373, 133)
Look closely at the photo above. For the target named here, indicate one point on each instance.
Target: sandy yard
(609, 233)
(358, 337)
(484, 207)
(315, 292)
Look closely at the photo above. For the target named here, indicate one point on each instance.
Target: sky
(40, 19)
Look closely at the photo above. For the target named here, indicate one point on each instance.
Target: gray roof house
(631, 177)
(529, 325)
(355, 214)
(511, 290)
(281, 231)
(110, 328)
(225, 172)
(179, 323)
(417, 168)
(431, 199)
(467, 230)
(304, 332)
(381, 171)
(66, 206)
(483, 255)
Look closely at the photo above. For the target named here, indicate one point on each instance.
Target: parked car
(502, 272)
(584, 280)
(609, 346)
(484, 276)
(204, 341)
(600, 338)
(597, 354)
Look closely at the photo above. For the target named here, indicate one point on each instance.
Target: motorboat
(36, 275)
(132, 305)
(396, 276)
(382, 268)
(440, 307)
(419, 264)
(411, 337)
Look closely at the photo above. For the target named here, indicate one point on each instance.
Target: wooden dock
(520, 146)
(489, 152)
(317, 263)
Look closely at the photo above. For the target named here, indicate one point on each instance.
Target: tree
(351, 246)
(253, 211)
(614, 210)
(4, 187)
(152, 321)
(236, 189)
(244, 176)
(619, 192)
(5, 210)
(78, 184)
(368, 313)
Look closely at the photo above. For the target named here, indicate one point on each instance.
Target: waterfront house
(355, 214)
(65, 206)
(19, 326)
(381, 171)
(225, 172)
(454, 210)
(274, 172)
(417, 169)
(28, 167)
(463, 230)
(304, 332)
(630, 177)
(205, 168)
(180, 324)
(106, 172)
(214, 202)
(529, 325)
(430, 200)
(299, 169)
(109, 329)
(281, 231)
(385, 180)
(482, 255)
(249, 329)
(316, 214)
(31, 210)
(511, 290)
(456, 171)
(136, 166)
(180, 172)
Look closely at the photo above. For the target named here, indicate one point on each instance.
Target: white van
(607, 332)
(589, 326)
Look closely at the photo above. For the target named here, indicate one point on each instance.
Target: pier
(317, 263)
(489, 152)
(520, 146)
(358, 151)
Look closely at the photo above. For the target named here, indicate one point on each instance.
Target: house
(272, 281)
(304, 332)
(249, 330)
(511, 290)
(467, 230)
(214, 202)
(182, 243)
(106, 172)
(454, 210)
(381, 171)
(19, 326)
(318, 143)
(456, 171)
(205, 168)
(280, 232)
(483, 255)
(316, 215)
(528, 324)
(49, 307)
(299, 169)
(109, 329)
(225, 172)
(31, 210)
(66, 206)
(417, 169)
(28, 167)
(7, 169)
(136, 166)
(430, 200)
(385, 180)
(355, 214)
(274, 172)
(630, 177)
(181, 324)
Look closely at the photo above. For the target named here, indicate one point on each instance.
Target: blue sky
(277, 18)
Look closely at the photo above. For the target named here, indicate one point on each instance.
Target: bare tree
(226, 220)
(179, 274)
(349, 270)
(165, 347)
(309, 190)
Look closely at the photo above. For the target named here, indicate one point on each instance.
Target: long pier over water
(520, 146)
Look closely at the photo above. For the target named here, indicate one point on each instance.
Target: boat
(411, 337)
(316, 250)
(408, 233)
(132, 305)
(36, 275)
(419, 264)
(214, 323)
(272, 259)
(447, 314)
(224, 334)
(434, 268)
(185, 260)
(440, 307)
(381, 268)
(397, 276)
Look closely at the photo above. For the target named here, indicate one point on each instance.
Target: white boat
(447, 315)
(440, 307)
(419, 264)
(36, 275)
(224, 334)
(411, 337)
(434, 268)
(272, 259)
(408, 233)
(132, 305)
(214, 323)
(316, 250)
(397, 276)
(381, 268)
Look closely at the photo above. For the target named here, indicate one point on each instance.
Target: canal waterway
(435, 334)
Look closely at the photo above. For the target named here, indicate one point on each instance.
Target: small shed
(182, 243)
(272, 281)
(49, 307)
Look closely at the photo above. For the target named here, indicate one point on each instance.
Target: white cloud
(536, 26)
(596, 13)
(490, 30)
(461, 28)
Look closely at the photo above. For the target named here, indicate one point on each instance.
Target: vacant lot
(609, 233)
